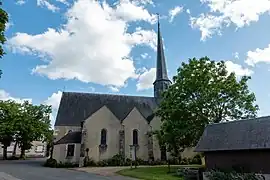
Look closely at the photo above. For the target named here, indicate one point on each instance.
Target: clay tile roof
(236, 135)
(71, 137)
(75, 107)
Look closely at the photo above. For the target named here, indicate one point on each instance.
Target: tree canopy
(23, 123)
(203, 92)
(3, 22)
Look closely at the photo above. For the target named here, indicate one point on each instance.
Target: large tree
(33, 125)
(8, 115)
(203, 92)
(3, 22)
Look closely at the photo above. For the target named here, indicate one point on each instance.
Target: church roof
(71, 137)
(75, 107)
(236, 135)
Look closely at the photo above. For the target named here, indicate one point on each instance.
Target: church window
(70, 150)
(103, 140)
(135, 137)
(69, 131)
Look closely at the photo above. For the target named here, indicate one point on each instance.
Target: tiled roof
(236, 135)
(71, 137)
(75, 107)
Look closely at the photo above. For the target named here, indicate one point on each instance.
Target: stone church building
(106, 124)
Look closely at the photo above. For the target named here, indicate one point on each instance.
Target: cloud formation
(97, 44)
(223, 13)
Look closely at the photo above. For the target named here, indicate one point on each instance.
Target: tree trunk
(52, 147)
(14, 149)
(22, 156)
(4, 152)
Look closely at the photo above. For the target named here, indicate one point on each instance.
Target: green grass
(154, 173)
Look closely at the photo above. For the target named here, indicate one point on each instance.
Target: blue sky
(109, 46)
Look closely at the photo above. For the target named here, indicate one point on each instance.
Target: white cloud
(226, 12)
(174, 12)
(236, 55)
(238, 69)
(63, 1)
(188, 11)
(8, 25)
(54, 100)
(208, 25)
(145, 55)
(48, 5)
(96, 41)
(258, 55)
(20, 2)
(146, 79)
(4, 96)
(114, 89)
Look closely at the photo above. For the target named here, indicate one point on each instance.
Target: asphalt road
(33, 170)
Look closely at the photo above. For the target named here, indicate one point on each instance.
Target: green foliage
(197, 159)
(217, 175)
(203, 92)
(23, 123)
(50, 163)
(53, 164)
(3, 22)
(33, 124)
(188, 173)
(8, 116)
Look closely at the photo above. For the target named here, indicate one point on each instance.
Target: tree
(203, 92)
(33, 125)
(3, 22)
(8, 115)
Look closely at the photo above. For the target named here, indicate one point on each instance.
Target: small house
(243, 144)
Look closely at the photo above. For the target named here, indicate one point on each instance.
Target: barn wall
(255, 160)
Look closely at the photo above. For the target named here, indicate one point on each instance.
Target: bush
(196, 159)
(217, 175)
(185, 161)
(188, 173)
(67, 165)
(50, 163)
(89, 162)
(116, 160)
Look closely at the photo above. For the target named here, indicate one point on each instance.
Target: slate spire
(162, 81)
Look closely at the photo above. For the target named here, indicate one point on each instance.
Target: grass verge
(154, 173)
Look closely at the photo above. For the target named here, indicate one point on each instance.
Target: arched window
(103, 140)
(69, 131)
(135, 137)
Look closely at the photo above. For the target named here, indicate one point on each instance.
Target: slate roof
(161, 72)
(71, 137)
(75, 107)
(236, 135)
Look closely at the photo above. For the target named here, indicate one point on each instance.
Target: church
(104, 125)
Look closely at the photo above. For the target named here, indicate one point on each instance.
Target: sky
(109, 46)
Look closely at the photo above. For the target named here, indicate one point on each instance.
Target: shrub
(102, 163)
(116, 160)
(67, 165)
(185, 161)
(188, 173)
(89, 162)
(217, 175)
(196, 159)
(50, 163)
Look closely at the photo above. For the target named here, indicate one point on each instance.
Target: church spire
(162, 81)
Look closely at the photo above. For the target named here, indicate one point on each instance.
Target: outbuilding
(243, 144)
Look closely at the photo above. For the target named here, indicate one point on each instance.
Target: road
(33, 170)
